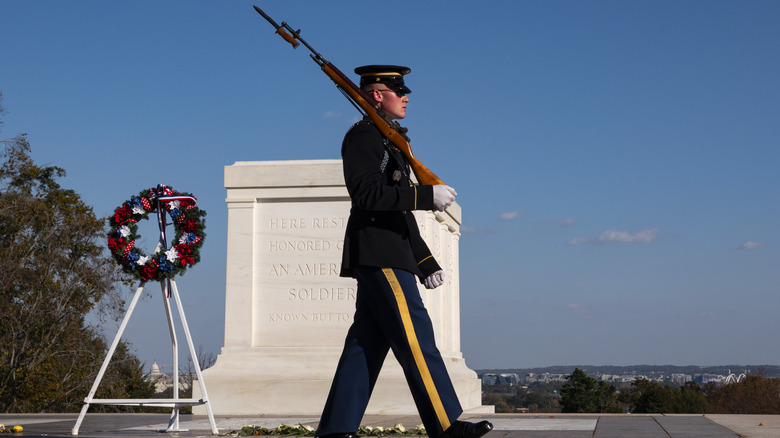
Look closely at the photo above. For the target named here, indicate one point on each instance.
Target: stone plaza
(506, 425)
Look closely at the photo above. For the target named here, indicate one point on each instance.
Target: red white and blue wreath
(165, 262)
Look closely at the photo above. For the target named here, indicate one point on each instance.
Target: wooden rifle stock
(390, 129)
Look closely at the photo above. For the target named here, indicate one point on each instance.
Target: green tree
(497, 402)
(580, 394)
(692, 400)
(608, 398)
(647, 397)
(53, 272)
(538, 397)
(536, 402)
(124, 378)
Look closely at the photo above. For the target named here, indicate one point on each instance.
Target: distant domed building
(163, 382)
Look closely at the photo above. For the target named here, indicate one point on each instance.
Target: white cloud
(644, 236)
(608, 236)
(568, 222)
(508, 216)
(331, 114)
(577, 308)
(751, 245)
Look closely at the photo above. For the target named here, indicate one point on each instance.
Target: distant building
(510, 379)
(163, 382)
(707, 378)
(681, 379)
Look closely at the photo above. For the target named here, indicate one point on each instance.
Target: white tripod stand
(167, 286)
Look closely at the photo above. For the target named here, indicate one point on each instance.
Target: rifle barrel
(270, 20)
(279, 29)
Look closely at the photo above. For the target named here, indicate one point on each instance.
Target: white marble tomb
(287, 311)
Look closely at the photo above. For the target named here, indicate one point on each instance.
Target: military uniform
(384, 251)
(381, 230)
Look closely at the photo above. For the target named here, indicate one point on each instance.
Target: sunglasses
(398, 93)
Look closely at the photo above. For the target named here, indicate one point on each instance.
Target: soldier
(384, 252)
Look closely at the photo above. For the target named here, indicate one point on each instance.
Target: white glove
(443, 196)
(434, 280)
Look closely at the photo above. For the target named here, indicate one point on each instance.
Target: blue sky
(616, 161)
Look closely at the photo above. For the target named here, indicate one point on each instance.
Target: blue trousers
(389, 314)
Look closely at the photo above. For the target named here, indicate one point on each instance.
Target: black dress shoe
(464, 429)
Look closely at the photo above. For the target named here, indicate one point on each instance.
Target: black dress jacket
(381, 230)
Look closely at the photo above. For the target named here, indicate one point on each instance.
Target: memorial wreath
(164, 262)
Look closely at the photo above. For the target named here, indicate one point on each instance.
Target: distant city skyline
(622, 377)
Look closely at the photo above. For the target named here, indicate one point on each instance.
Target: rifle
(360, 100)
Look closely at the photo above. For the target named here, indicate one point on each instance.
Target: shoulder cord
(385, 158)
(403, 169)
